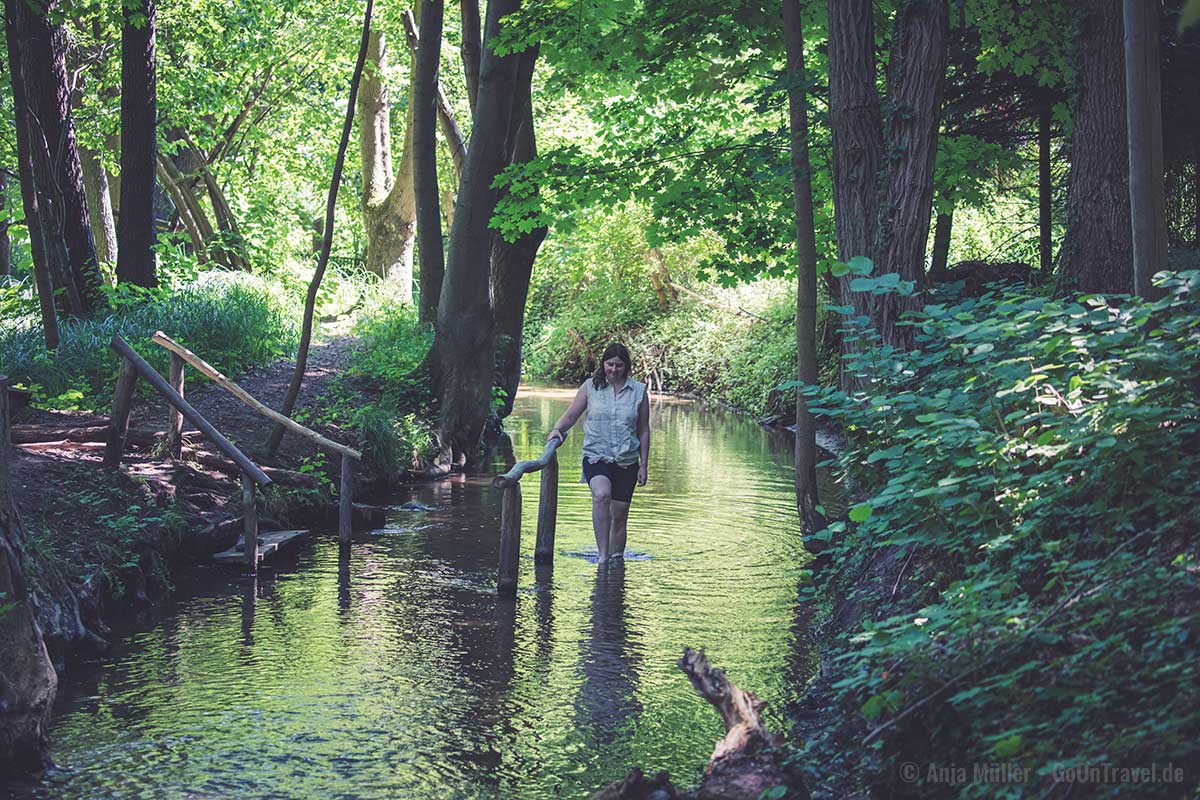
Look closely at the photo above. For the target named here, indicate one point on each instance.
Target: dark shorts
(623, 479)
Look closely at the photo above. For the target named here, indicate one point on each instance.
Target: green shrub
(1036, 459)
(232, 320)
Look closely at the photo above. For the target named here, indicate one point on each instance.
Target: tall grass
(232, 320)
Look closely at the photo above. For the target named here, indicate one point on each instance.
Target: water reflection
(390, 668)
(607, 701)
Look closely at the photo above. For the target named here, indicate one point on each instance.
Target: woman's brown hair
(614, 350)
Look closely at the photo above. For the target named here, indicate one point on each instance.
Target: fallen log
(746, 763)
(37, 434)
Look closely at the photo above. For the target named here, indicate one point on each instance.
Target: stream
(393, 670)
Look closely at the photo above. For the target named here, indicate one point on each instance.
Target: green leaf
(861, 512)
(1008, 746)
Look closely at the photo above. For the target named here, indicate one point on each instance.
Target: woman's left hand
(642, 474)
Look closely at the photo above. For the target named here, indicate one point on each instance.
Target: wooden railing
(510, 515)
(178, 409)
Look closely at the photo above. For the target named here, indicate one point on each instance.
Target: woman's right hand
(555, 433)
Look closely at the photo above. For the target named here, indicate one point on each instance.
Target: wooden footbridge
(255, 545)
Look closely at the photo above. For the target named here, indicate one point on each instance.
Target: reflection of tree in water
(607, 701)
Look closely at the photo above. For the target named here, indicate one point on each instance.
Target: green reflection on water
(392, 670)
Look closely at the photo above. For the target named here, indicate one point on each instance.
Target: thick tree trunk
(27, 679)
(470, 49)
(95, 184)
(33, 216)
(943, 227)
(512, 262)
(916, 76)
(424, 154)
(389, 213)
(1045, 188)
(1097, 250)
(135, 225)
(806, 270)
(59, 282)
(857, 127)
(1143, 113)
(464, 349)
(45, 49)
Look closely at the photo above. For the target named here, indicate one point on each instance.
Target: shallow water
(392, 670)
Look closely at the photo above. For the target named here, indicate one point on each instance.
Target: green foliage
(231, 320)
(390, 363)
(1035, 459)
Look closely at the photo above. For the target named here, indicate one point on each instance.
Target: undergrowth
(389, 365)
(1029, 474)
(232, 320)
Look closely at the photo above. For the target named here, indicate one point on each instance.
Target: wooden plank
(193, 416)
(269, 543)
(510, 539)
(174, 418)
(118, 427)
(523, 467)
(346, 500)
(249, 523)
(215, 375)
(543, 550)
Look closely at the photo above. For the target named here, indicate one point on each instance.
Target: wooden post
(510, 539)
(543, 551)
(174, 416)
(346, 499)
(250, 524)
(118, 427)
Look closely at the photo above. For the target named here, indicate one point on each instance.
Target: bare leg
(601, 513)
(617, 531)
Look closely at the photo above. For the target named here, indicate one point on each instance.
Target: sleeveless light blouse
(610, 427)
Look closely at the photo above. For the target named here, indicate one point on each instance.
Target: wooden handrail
(122, 348)
(511, 477)
(215, 375)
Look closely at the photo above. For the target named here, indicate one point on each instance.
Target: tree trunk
(1097, 250)
(189, 212)
(5, 223)
(857, 128)
(916, 76)
(314, 286)
(45, 48)
(941, 246)
(95, 184)
(388, 208)
(806, 272)
(1045, 188)
(27, 677)
(512, 262)
(1143, 92)
(470, 49)
(135, 225)
(59, 281)
(464, 347)
(424, 154)
(33, 217)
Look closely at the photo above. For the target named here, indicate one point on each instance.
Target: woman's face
(615, 369)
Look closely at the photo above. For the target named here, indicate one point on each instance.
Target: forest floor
(102, 542)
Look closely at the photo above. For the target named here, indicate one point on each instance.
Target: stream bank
(94, 551)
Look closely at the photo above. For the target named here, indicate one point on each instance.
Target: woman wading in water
(616, 445)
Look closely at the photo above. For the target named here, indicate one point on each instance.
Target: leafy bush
(232, 320)
(1033, 463)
